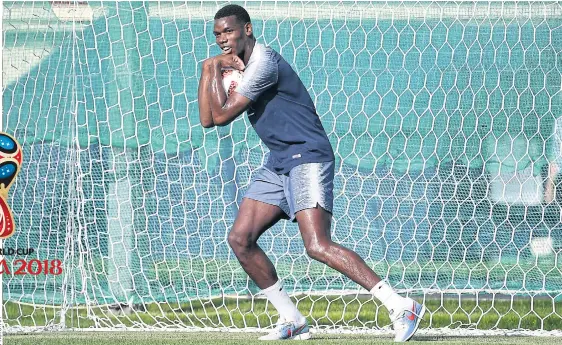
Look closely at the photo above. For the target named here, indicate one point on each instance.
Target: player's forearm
(218, 97)
(205, 115)
(225, 109)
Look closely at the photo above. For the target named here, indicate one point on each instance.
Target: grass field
(168, 338)
(321, 311)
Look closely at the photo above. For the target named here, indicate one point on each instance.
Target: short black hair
(234, 10)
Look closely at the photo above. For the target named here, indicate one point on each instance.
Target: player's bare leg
(254, 218)
(315, 228)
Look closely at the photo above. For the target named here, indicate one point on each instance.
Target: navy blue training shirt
(282, 113)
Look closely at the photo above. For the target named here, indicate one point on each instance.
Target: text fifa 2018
(32, 267)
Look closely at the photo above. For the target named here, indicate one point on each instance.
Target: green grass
(321, 311)
(168, 338)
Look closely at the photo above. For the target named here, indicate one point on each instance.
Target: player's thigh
(254, 218)
(264, 203)
(314, 226)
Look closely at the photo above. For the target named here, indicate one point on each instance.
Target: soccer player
(296, 183)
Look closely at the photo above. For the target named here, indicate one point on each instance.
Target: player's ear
(248, 29)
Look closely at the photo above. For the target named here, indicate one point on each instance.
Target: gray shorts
(305, 186)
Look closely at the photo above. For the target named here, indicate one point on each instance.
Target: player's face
(230, 35)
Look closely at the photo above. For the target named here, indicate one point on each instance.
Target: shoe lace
(280, 324)
(399, 322)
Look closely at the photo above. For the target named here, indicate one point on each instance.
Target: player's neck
(248, 50)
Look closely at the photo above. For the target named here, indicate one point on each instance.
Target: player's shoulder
(263, 54)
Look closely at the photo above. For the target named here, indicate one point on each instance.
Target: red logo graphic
(412, 316)
(297, 331)
(10, 163)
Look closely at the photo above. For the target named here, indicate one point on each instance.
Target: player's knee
(317, 250)
(239, 241)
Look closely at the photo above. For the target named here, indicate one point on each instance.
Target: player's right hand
(230, 60)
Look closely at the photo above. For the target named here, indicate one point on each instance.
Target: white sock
(277, 295)
(389, 298)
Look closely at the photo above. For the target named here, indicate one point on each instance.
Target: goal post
(444, 119)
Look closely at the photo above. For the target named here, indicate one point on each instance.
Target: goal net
(445, 121)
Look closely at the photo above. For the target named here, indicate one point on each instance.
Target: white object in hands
(231, 78)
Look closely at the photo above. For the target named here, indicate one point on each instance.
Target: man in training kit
(296, 183)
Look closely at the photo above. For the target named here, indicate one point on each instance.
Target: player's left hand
(230, 60)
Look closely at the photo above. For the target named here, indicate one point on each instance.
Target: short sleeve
(260, 75)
